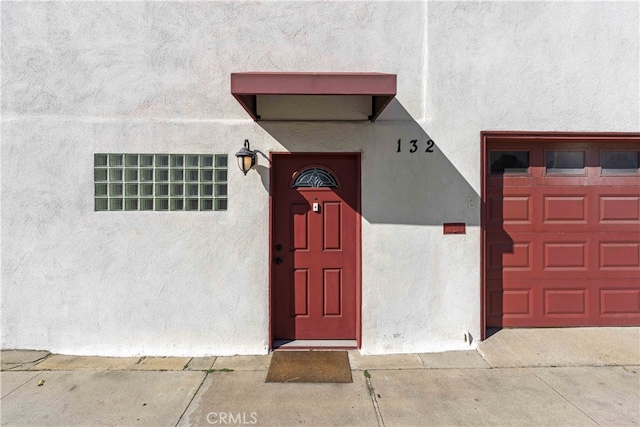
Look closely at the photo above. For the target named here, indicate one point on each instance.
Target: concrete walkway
(577, 376)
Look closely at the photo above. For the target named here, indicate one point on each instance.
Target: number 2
(430, 145)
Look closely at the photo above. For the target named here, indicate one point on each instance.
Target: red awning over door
(352, 96)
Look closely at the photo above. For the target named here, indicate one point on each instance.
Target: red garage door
(561, 230)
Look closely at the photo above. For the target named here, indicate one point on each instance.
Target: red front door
(315, 243)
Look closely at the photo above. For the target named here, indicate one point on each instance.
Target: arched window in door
(315, 177)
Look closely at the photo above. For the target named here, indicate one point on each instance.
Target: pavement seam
(36, 362)
(376, 407)
(562, 396)
(485, 359)
(184, 368)
(35, 374)
(206, 374)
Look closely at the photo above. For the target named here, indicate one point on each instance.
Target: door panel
(314, 272)
(332, 297)
(332, 226)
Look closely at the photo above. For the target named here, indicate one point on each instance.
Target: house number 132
(413, 146)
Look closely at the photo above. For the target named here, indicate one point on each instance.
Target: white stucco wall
(154, 77)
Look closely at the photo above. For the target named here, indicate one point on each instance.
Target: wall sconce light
(246, 157)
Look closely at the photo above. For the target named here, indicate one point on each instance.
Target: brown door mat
(309, 367)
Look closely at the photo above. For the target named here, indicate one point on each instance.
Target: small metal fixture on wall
(246, 157)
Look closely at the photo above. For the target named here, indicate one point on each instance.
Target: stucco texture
(154, 77)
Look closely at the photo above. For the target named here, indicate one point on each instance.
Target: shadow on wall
(406, 178)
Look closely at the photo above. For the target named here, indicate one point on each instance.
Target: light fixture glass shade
(245, 163)
(246, 158)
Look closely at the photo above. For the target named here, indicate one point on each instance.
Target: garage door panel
(565, 256)
(565, 302)
(623, 209)
(513, 209)
(619, 256)
(620, 302)
(516, 303)
(565, 209)
(562, 245)
(510, 256)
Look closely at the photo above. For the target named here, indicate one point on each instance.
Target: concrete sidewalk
(577, 376)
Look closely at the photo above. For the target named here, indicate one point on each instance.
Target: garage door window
(509, 162)
(619, 162)
(565, 162)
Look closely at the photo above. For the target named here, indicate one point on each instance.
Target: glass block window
(160, 182)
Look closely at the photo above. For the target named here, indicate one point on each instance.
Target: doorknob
(278, 247)
(278, 261)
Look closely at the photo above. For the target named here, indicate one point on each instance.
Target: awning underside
(313, 96)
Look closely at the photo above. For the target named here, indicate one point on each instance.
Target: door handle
(279, 261)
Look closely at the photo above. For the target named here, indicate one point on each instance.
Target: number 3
(414, 146)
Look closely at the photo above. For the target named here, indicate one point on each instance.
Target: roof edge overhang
(246, 87)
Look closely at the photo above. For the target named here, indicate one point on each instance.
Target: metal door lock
(316, 207)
